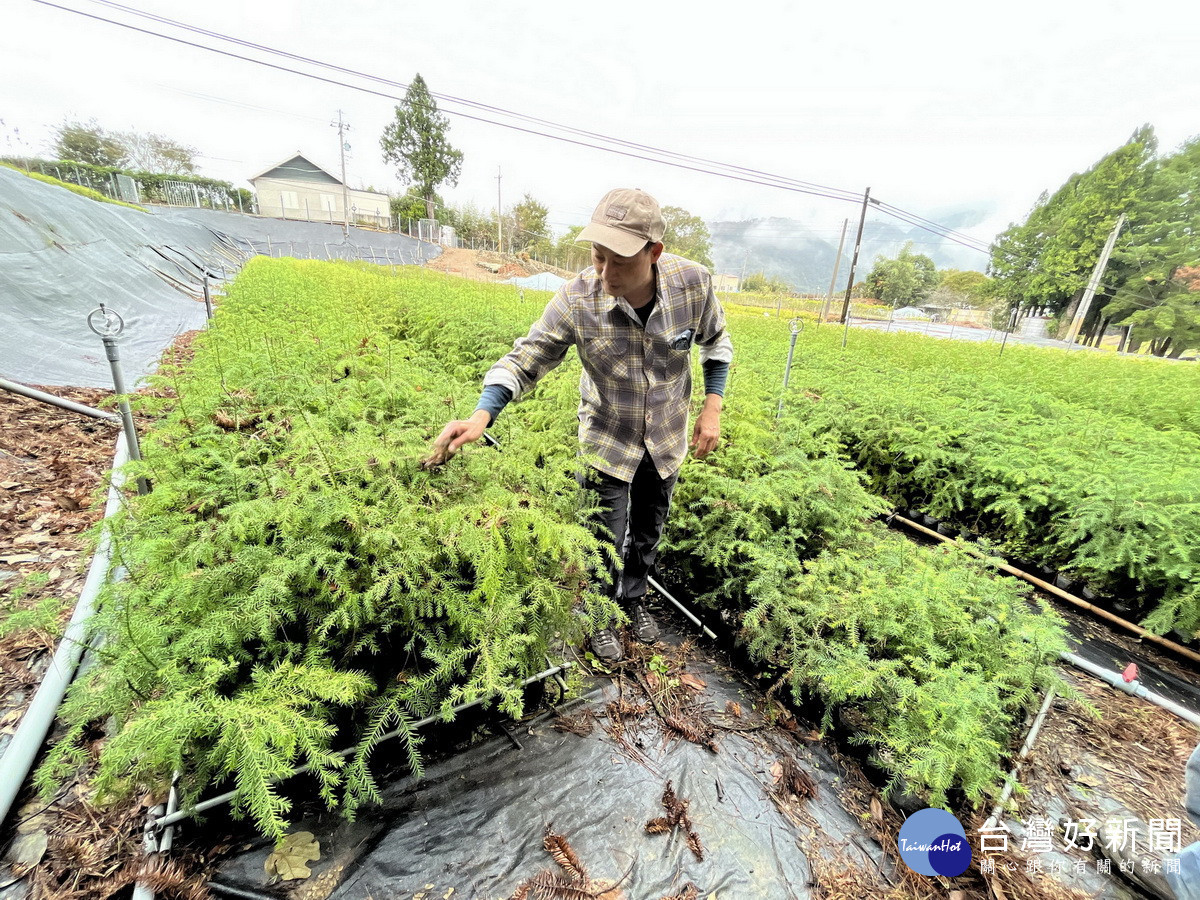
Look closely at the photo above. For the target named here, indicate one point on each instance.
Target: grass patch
(73, 188)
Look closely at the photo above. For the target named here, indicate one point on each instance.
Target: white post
(1094, 283)
(837, 264)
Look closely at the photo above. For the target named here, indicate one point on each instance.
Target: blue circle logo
(933, 842)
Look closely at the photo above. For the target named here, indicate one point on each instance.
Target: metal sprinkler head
(105, 322)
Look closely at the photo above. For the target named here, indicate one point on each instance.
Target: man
(1184, 878)
(634, 317)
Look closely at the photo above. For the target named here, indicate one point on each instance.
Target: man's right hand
(455, 436)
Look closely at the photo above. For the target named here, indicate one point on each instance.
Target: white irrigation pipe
(1054, 589)
(1114, 679)
(1117, 680)
(62, 402)
(35, 724)
(683, 609)
(1011, 781)
(151, 842)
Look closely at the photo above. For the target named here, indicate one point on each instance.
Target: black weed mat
(765, 806)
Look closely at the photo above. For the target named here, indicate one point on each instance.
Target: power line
(969, 242)
(848, 195)
(385, 95)
(948, 231)
(619, 146)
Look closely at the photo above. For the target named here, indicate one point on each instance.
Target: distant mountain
(788, 249)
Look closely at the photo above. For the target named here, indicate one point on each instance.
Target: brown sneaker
(644, 628)
(607, 646)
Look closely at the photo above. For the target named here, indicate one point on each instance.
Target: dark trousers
(632, 515)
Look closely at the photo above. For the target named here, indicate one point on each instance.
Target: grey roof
(307, 167)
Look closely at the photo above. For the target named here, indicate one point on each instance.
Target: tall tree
(416, 143)
(529, 229)
(687, 235)
(87, 142)
(1047, 260)
(907, 279)
(154, 153)
(473, 226)
(1172, 324)
(969, 286)
(1159, 289)
(568, 252)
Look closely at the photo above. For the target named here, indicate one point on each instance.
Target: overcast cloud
(957, 112)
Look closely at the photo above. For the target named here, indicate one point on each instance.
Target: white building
(298, 188)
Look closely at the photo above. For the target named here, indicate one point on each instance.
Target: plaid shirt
(636, 389)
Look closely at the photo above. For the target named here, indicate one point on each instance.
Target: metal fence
(117, 186)
(188, 193)
(105, 184)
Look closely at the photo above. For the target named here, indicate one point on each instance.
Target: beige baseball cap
(624, 221)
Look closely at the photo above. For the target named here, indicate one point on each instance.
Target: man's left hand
(707, 431)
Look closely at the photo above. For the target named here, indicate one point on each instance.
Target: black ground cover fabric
(476, 822)
(61, 255)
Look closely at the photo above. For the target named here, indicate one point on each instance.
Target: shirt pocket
(605, 354)
(670, 364)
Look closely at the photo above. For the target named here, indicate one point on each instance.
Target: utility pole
(499, 216)
(862, 220)
(342, 128)
(1094, 282)
(837, 264)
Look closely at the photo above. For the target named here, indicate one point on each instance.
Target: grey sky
(942, 108)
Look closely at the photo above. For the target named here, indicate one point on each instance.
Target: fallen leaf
(19, 558)
(876, 810)
(28, 849)
(777, 771)
(694, 682)
(291, 855)
(33, 816)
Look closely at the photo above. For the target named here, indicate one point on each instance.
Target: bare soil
(52, 467)
(467, 263)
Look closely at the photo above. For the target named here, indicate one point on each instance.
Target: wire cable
(583, 137)
(848, 195)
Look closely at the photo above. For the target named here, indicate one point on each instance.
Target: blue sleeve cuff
(494, 398)
(716, 374)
